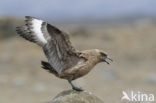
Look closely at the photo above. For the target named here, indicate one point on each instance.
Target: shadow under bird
(64, 61)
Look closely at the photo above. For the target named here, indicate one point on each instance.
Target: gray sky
(74, 9)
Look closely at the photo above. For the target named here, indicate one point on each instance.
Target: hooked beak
(108, 60)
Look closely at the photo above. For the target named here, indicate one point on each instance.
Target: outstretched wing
(55, 43)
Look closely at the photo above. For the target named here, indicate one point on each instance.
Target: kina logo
(137, 96)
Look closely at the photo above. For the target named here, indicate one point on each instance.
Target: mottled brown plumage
(64, 61)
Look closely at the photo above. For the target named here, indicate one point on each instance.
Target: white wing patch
(37, 30)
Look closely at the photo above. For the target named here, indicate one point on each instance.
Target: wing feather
(32, 31)
(55, 43)
(59, 51)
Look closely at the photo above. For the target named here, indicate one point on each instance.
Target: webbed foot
(77, 89)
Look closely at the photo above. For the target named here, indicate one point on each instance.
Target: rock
(72, 96)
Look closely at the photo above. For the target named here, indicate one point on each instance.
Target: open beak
(108, 60)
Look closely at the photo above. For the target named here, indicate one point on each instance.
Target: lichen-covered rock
(72, 96)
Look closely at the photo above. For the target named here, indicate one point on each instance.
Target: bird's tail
(47, 66)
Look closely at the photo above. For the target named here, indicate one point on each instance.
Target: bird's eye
(103, 54)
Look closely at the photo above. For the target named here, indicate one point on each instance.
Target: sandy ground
(133, 49)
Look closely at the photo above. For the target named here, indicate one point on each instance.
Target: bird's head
(103, 57)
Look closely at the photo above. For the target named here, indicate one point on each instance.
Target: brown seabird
(64, 61)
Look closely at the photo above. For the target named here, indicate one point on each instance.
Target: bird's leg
(74, 87)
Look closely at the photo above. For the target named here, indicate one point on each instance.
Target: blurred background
(125, 29)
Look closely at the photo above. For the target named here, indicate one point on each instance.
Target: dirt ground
(132, 47)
